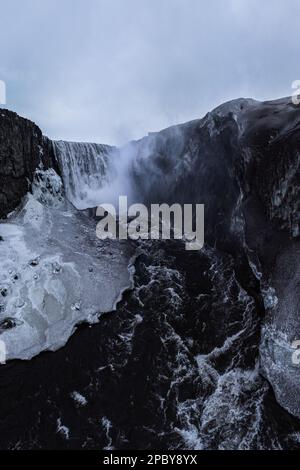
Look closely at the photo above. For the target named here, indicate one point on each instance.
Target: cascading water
(85, 169)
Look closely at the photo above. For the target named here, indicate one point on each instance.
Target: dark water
(175, 367)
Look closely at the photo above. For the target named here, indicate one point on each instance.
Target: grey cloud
(112, 70)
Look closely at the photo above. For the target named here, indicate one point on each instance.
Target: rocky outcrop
(243, 162)
(22, 149)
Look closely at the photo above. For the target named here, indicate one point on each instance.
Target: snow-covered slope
(54, 272)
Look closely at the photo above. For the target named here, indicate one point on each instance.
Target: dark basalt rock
(242, 148)
(243, 162)
(22, 149)
(8, 323)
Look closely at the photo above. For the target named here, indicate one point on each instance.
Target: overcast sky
(112, 70)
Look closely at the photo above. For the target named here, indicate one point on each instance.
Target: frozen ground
(54, 272)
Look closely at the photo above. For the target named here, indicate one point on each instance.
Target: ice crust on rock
(54, 274)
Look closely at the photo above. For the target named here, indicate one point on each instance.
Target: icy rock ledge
(54, 274)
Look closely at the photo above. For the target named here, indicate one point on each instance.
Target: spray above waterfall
(94, 173)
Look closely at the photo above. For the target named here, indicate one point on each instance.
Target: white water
(86, 169)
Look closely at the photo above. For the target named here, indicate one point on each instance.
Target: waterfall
(86, 168)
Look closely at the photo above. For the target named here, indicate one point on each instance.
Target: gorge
(169, 348)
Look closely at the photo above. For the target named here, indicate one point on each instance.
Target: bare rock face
(243, 161)
(22, 149)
